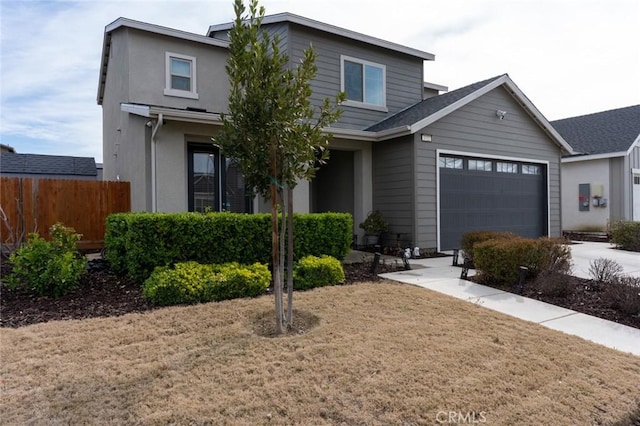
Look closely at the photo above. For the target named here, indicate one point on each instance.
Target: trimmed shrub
(499, 260)
(192, 282)
(470, 239)
(136, 243)
(313, 271)
(626, 235)
(51, 268)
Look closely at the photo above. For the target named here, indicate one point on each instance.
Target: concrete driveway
(583, 253)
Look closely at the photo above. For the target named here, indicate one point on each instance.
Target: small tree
(272, 131)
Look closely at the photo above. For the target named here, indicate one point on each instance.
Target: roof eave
(588, 157)
(149, 111)
(332, 29)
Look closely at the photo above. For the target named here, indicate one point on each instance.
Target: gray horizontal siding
(475, 129)
(634, 158)
(403, 72)
(393, 185)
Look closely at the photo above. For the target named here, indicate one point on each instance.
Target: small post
(405, 260)
(522, 276)
(376, 260)
(465, 269)
(456, 253)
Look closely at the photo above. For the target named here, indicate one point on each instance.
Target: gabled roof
(332, 29)
(47, 164)
(608, 132)
(426, 112)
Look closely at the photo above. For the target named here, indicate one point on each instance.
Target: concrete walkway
(439, 275)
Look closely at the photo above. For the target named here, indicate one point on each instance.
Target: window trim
(477, 162)
(168, 90)
(508, 164)
(363, 104)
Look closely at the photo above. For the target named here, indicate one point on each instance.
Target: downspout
(154, 185)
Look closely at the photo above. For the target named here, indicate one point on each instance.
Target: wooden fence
(33, 205)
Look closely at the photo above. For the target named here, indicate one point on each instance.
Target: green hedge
(136, 243)
(499, 260)
(192, 282)
(470, 239)
(626, 235)
(313, 271)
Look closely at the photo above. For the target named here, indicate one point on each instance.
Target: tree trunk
(275, 257)
(290, 257)
(282, 233)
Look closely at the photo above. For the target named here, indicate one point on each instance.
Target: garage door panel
(472, 200)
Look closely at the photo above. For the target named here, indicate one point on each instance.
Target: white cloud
(570, 57)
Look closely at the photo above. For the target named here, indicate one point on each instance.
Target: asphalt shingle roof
(427, 107)
(601, 132)
(47, 164)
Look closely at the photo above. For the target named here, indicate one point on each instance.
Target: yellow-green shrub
(192, 282)
(499, 260)
(313, 271)
(470, 239)
(626, 235)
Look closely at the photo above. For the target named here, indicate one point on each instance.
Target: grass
(381, 354)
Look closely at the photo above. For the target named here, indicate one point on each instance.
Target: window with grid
(531, 169)
(502, 167)
(450, 163)
(481, 165)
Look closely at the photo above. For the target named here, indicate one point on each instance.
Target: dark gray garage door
(486, 194)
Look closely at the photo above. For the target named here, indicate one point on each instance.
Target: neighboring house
(601, 183)
(480, 157)
(38, 166)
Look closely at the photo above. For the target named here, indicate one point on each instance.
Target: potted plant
(374, 225)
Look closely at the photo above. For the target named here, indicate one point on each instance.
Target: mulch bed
(103, 294)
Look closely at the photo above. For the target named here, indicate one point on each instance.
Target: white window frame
(363, 104)
(168, 90)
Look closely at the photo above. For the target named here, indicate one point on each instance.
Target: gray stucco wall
(475, 130)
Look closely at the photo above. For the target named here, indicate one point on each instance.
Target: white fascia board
(354, 134)
(435, 86)
(588, 157)
(332, 29)
(141, 110)
(170, 32)
(635, 143)
(186, 116)
(394, 133)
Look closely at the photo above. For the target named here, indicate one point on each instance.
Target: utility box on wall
(584, 196)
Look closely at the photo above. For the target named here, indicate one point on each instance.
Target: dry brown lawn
(381, 353)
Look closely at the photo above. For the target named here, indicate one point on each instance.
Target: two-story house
(436, 165)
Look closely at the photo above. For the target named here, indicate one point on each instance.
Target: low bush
(313, 271)
(626, 235)
(554, 284)
(51, 268)
(470, 239)
(623, 294)
(192, 282)
(499, 260)
(604, 270)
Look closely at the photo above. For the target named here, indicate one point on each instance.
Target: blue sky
(570, 57)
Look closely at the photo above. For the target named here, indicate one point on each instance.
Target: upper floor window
(364, 83)
(180, 76)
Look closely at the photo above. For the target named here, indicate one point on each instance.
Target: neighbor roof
(613, 131)
(47, 164)
(430, 110)
(342, 32)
